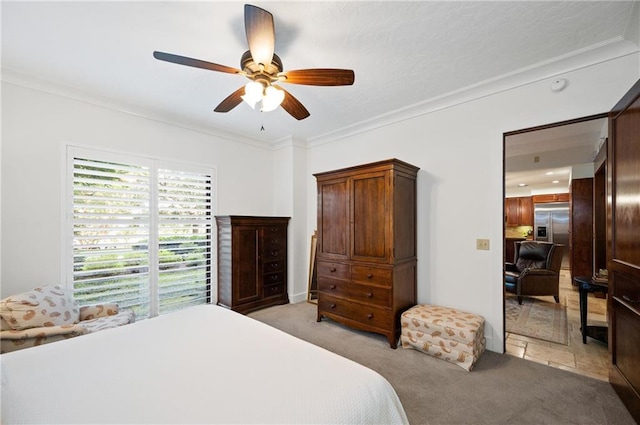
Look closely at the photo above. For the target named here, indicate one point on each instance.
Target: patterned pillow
(45, 306)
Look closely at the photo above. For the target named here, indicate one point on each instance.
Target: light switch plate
(482, 244)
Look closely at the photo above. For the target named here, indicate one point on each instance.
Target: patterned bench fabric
(12, 340)
(48, 305)
(125, 317)
(89, 312)
(452, 335)
(49, 313)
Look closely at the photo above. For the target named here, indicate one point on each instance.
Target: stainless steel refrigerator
(551, 223)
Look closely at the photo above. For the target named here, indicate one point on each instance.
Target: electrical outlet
(482, 244)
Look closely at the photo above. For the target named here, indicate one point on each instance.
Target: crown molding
(45, 86)
(598, 53)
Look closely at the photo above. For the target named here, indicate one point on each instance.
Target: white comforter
(202, 365)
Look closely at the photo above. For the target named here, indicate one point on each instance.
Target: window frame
(153, 163)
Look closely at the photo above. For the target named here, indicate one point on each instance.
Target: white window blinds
(184, 226)
(141, 235)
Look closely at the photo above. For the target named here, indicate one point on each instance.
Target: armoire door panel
(334, 225)
(627, 187)
(370, 218)
(627, 349)
(404, 217)
(623, 256)
(246, 265)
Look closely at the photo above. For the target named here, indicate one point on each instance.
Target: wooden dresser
(366, 249)
(252, 262)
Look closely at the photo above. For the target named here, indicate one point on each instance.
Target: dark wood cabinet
(552, 197)
(519, 211)
(366, 249)
(581, 227)
(252, 262)
(623, 249)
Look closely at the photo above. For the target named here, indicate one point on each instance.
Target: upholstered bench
(49, 313)
(445, 333)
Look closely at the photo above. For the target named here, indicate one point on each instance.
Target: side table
(586, 284)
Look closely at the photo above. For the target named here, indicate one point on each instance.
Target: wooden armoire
(623, 251)
(252, 262)
(366, 247)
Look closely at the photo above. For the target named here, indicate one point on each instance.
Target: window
(141, 232)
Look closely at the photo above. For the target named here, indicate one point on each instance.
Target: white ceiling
(406, 55)
(545, 160)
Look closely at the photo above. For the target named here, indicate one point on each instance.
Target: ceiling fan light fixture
(253, 93)
(273, 97)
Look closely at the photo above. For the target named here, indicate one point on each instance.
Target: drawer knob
(333, 306)
(370, 295)
(333, 270)
(369, 276)
(369, 316)
(274, 265)
(274, 253)
(332, 287)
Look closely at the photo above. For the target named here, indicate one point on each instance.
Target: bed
(204, 365)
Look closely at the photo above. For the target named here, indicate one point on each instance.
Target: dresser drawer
(272, 278)
(273, 290)
(333, 270)
(274, 237)
(270, 254)
(369, 294)
(273, 266)
(374, 275)
(366, 314)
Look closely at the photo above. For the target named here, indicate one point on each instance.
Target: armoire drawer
(363, 313)
(369, 294)
(272, 278)
(373, 275)
(272, 290)
(273, 266)
(334, 270)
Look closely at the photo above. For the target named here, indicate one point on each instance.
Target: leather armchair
(535, 270)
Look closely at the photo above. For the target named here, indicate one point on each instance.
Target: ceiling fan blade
(233, 100)
(293, 106)
(258, 25)
(319, 77)
(196, 63)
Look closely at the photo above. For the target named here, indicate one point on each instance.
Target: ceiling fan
(264, 68)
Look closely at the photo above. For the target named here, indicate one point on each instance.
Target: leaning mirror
(312, 294)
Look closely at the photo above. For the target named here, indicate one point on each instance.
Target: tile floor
(590, 359)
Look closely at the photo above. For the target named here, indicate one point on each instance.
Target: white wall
(460, 187)
(290, 169)
(459, 150)
(36, 126)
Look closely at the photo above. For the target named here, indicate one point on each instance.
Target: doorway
(541, 167)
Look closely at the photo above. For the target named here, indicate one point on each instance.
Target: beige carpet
(537, 318)
(500, 390)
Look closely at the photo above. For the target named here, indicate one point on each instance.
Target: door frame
(504, 192)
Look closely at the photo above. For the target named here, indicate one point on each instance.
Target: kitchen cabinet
(519, 211)
(366, 248)
(252, 262)
(510, 248)
(552, 197)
